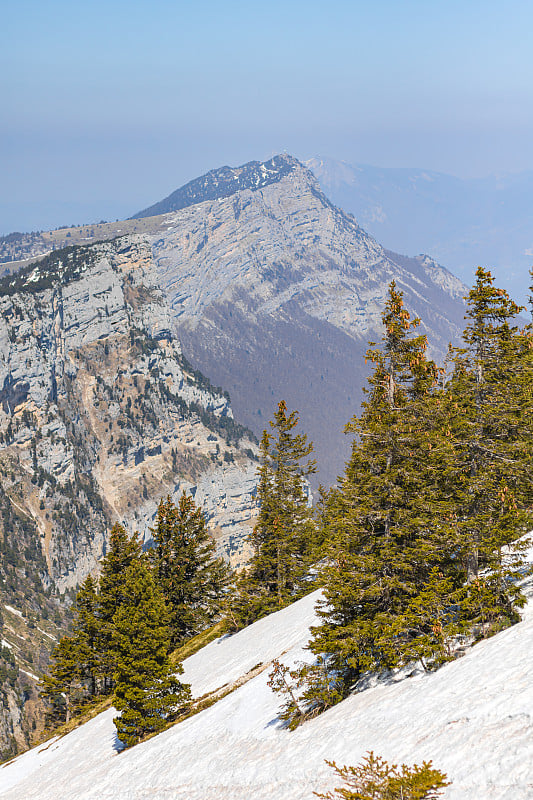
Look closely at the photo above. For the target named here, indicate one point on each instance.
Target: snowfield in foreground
(472, 718)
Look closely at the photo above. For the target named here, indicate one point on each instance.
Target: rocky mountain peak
(224, 182)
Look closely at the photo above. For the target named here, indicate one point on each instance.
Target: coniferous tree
(490, 393)
(58, 686)
(147, 692)
(422, 527)
(381, 545)
(87, 634)
(123, 551)
(376, 779)
(74, 675)
(193, 581)
(284, 535)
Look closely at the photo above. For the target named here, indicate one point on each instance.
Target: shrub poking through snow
(375, 779)
(287, 682)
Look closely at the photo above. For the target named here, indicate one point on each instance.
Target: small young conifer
(376, 779)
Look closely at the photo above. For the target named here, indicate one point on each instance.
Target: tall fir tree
(490, 394)
(422, 528)
(123, 551)
(284, 535)
(192, 579)
(382, 547)
(147, 692)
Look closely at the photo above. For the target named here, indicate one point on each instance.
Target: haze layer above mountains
(463, 223)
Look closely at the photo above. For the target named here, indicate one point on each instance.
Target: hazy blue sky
(108, 106)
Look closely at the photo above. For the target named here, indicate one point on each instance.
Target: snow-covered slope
(472, 718)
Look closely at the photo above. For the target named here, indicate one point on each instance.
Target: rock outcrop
(101, 416)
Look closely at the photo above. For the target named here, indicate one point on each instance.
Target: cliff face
(275, 293)
(101, 416)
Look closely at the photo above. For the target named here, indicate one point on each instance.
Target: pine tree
(147, 693)
(376, 779)
(490, 391)
(59, 688)
(381, 543)
(193, 581)
(87, 635)
(74, 676)
(422, 528)
(123, 551)
(284, 535)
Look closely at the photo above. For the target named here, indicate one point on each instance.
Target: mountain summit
(275, 293)
(224, 182)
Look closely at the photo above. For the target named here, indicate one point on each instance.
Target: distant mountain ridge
(274, 292)
(462, 223)
(223, 182)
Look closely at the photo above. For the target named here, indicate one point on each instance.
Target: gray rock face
(100, 417)
(275, 293)
(94, 388)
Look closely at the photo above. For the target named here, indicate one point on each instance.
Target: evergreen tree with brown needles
(376, 779)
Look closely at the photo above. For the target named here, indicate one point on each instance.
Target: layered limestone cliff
(100, 417)
(275, 293)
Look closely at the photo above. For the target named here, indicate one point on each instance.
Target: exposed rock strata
(101, 416)
(275, 293)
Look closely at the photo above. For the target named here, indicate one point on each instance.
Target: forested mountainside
(424, 559)
(100, 416)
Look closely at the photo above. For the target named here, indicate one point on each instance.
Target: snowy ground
(473, 718)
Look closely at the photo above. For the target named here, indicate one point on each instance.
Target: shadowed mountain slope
(275, 293)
